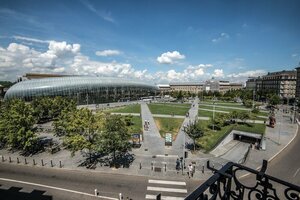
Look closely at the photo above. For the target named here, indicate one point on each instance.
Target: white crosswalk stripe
(170, 190)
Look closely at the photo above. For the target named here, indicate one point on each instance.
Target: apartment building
(282, 83)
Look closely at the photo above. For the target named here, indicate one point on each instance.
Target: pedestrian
(177, 165)
(190, 168)
(194, 169)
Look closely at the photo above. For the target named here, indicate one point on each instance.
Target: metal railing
(226, 184)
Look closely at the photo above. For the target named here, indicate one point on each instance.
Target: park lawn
(227, 109)
(205, 113)
(168, 109)
(212, 138)
(252, 128)
(134, 108)
(136, 127)
(168, 125)
(223, 103)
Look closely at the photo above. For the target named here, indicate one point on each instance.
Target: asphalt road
(285, 166)
(108, 185)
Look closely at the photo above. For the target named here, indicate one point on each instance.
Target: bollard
(51, 163)
(165, 167)
(18, 161)
(33, 161)
(96, 192)
(42, 162)
(60, 164)
(140, 165)
(151, 165)
(2, 158)
(120, 196)
(202, 169)
(9, 159)
(25, 161)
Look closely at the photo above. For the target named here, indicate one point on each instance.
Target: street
(108, 185)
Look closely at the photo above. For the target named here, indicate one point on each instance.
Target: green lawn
(136, 127)
(204, 113)
(212, 138)
(134, 108)
(227, 109)
(168, 125)
(223, 103)
(168, 109)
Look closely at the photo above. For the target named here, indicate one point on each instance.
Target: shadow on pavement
(14, 193)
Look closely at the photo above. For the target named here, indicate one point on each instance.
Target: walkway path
(152, 142)
(182, 138)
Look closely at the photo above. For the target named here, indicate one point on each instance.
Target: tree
(79, 129)
(194, 131)
(244, 115)
(17, 125)
(274, 100)
(114, 137)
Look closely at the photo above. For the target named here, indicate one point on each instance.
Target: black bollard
(51, 163)
(202, 169)
(2, 158)
(18, 161)
(151, 165)
(33, 162)
(165, 167)
(25, 161)
(42, 162)
(9, 159)
(140, 165)
(60, 164)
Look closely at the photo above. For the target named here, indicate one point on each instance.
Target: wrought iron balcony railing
(225, 184)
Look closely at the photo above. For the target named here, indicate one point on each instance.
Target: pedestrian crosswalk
(169, 190)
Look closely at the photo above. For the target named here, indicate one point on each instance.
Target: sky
(157, 41)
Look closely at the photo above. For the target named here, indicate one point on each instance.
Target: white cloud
(108, 53)
(251, 73)
(218, 73)
(61, 57)
(294, 55)
(106, 15)
(170, 57)
(222, 36)
(30, 39)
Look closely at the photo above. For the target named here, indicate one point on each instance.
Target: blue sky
(157, 41)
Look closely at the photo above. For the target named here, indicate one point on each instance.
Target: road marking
(148, 196)
(56, 188)
(167, 182)
(162, 189)
(296, 172)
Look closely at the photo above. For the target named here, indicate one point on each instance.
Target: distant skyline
(158, 41)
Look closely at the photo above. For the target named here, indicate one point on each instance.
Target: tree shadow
(122, 160)
(42, 144)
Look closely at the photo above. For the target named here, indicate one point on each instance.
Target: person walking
(177, 165)
(190, 172)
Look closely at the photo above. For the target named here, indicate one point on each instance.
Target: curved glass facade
(86, 90)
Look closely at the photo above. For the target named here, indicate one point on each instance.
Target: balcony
(225, 185)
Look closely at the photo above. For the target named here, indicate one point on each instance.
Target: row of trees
(98, 133)
(79, 129)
